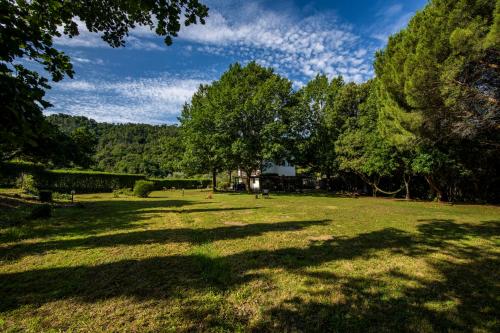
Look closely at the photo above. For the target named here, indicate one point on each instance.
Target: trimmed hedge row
(84, 182)
(11, 171)
(64, 181)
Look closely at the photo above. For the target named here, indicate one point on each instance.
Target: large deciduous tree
(361, 148)
(205, 138)
(27, 32)
(317, 127)
(242, 120)
(258, 109)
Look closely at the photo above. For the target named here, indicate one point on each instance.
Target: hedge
(64, 181)
(11, 171)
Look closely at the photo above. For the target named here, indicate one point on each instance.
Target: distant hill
(153, 150)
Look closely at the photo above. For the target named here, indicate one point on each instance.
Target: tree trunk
(214, 180)
(230, 173)
(248, 182)
(441, 196)
(407, 179)
(374, 190)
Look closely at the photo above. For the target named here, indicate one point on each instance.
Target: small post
(72, 195)
(182, 192)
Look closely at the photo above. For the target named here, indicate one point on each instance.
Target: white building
(283, 169)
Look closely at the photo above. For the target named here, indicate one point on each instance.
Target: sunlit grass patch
(176, 262)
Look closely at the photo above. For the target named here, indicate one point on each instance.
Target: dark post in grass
(45, 195)
(72, 195)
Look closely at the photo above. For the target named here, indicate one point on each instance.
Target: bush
(61, 196)
(142, 188)
(28, 184)
(122, 191)
(41, 212)
(224, 185)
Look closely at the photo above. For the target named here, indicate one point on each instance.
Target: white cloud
(391, 10)
(139, 38)
(143, 100)
(294, 46)
(70, 85)
(83, 60)
(305, 47)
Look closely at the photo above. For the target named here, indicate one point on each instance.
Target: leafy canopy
(27, 30)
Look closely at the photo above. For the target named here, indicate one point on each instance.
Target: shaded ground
(236, 263)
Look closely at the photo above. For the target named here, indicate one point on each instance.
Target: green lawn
(236, 263)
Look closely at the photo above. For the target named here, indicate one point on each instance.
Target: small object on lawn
(45, 195)
(72, 195)
(265, 193)
(182, 192)
(209, 196)
(256, 195)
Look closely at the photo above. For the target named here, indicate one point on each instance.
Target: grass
(174, 263)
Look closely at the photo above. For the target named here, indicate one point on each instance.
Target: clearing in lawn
(235, 263)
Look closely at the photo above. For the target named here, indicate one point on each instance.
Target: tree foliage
(430, 117)
(441, 81)
(123, 148)
(318, 125)
(27, 31)
(361, 148)
(241, 120)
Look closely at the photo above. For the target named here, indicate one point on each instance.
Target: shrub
(41, 212)
(28, 184)
(142, 188)
(61, 196)
(122, 191)
(224, 185)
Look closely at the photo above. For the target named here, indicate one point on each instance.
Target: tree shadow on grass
(161, 236)
(464, 297)
(100, 216)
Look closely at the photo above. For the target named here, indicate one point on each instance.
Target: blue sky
(148, 82)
